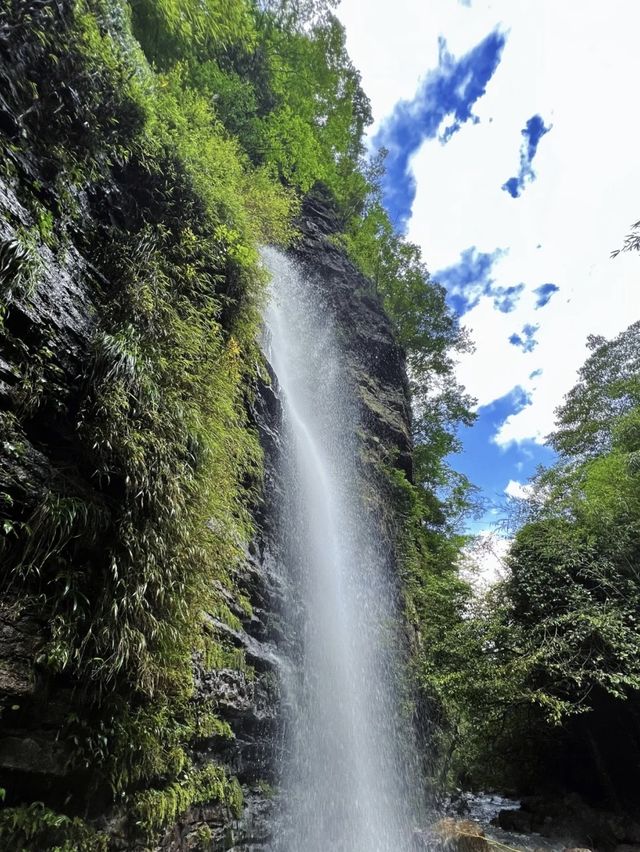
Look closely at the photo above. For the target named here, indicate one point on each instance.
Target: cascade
(346, 768)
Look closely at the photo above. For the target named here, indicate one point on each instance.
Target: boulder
(461, 835)
(519, 821)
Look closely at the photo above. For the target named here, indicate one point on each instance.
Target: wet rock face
(250, 704)
(47, 322)
(45, 344)
(19, 644)
(44, 361)
(46, 351)
(376, 361)
(209, 828)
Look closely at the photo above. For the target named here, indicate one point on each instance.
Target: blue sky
(442, 104)
(513, 164)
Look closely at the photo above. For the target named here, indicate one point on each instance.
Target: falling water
(344, 775)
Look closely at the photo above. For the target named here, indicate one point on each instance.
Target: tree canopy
(550, 691)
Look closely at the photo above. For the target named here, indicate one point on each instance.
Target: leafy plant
(36, 826)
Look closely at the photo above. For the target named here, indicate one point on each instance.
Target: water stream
(346, 770)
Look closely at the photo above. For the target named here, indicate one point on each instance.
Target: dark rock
(19, 642)
(210, 827)
(47, 331)
(39, 756)
(52, 326)
(376, 361)
(570, 817)
(519, 821)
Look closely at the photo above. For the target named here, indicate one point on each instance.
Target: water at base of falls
(347, 779)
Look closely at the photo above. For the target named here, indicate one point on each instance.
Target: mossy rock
(461, 835)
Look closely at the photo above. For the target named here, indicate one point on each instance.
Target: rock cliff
(376, 362)
(378, 373)
(118, 309)
(47, 342)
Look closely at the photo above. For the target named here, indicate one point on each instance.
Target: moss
(153, 810)
(163, 422)
(44, 223)
(130, 554)
(203, 835)
(266, 789)
(144, 744)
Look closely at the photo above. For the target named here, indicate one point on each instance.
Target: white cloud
(576, 71)
(517, 490)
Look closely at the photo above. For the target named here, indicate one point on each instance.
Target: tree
(608, 386)
(571, 603)
(631, 242)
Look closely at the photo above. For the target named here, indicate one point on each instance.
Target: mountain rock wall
(63, 247)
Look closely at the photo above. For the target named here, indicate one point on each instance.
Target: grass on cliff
(127, 556)
(169, 139)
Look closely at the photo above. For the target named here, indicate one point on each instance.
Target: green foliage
(97, 118)
(266, 789)
(247, 205)
(431, 337)
(128, 558)
(38, 827)
(573, 573)
(314, 133)
(579, 610)
(424, 325)
(164, 419)
(631, 242)
(18, 268)
(163, 422)
(298, 15)
(170, 30)
(204, 835)
(147, 743)
(429, 509)
(155, 809)
(14, 261)
(436, 600)
(278, 75)
(556, 661)
(184, 142)
(608, 385)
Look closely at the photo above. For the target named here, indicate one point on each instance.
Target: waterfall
(345, 771)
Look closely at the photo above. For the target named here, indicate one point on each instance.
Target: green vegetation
(155, 809)
(155, 144)
(542, 676)
(38, 827)
(427, 330)
(166, 140)
(128, 555)
(18, 268)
